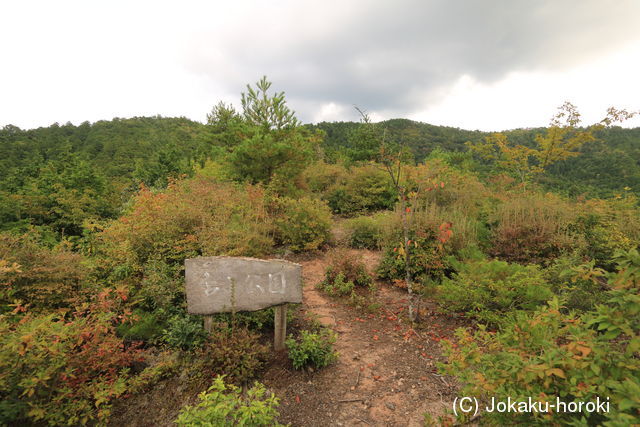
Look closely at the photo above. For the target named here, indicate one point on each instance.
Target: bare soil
(386, 373)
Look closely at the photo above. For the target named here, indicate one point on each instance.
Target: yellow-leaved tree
(561, 140)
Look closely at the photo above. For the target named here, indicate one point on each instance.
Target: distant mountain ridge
(117, 147)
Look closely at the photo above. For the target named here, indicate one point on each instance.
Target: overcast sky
(474, 64)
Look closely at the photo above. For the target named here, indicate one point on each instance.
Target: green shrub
(349, 265)
(225, 405)
(580, 285)
(339, 286)
(312, 349)
(142, 326)
(184, 332)
(428, 257)
(488, 290)
(320, 176)
(255, 320)
(233, 352)
(365, 189)
(303, 224)
(46, 278)
(367, 232)
(603, 238)
(551, 353)
(161, 285)
(165, 365)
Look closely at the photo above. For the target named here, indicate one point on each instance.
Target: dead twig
(364, 421)
(357, 380)
(351, 400)
(441, 379)
(418, 334)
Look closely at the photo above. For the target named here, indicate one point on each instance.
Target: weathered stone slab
(224, 284)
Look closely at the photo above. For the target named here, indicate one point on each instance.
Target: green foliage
(45, 278)
(142, 326)
(580, 285)
(63, 176)
(421, 138)
(63, 194)
(428, 257)
(166, 364)
(226, 126)
(549, 354)
(233, 352)
(166, 165)
(268, 112)
(225, 405)
(367, 232)
(312, 349)
(184, 332)
(303, 224)
(267, 145)
(161, 283)
(255, 320)
(338, 286)
(264, 157)
(63, 372)
(365, 189)
(607, 230)
(490, 290)
(364, 141)
(603, 167)
(321, 177)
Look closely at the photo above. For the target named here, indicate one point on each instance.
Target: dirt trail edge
(385, 374)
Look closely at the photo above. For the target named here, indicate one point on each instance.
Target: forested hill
(113, 147)
(422, 138)
(605, 167)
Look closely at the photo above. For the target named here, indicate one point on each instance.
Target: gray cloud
(398, 56)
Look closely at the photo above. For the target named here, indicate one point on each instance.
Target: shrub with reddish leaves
(58, 370)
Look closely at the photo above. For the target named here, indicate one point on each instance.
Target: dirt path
(385, 375)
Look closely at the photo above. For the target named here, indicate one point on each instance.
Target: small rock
(390, 406)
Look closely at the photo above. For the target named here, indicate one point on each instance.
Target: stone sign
(224, 284)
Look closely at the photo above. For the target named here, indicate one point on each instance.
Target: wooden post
(280, 325)
(208, 323)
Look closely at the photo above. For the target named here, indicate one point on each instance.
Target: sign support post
(280, 327)
(208, 323)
